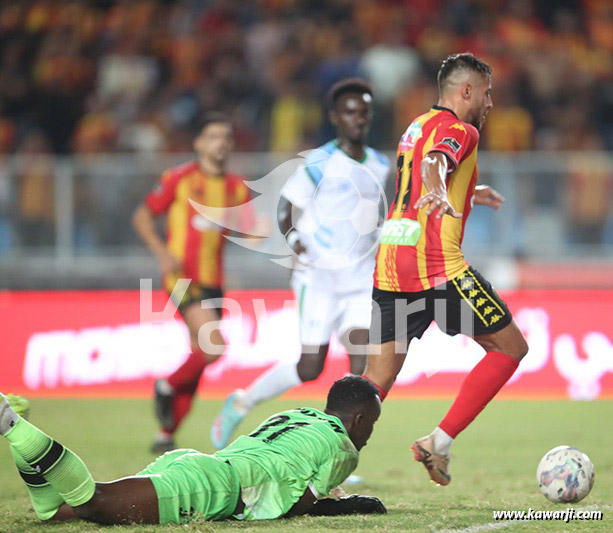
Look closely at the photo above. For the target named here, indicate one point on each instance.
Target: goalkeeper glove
(353, 504)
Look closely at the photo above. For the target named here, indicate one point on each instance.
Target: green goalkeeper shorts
(191, 485)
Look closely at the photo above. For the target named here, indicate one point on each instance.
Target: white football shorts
(324, 312)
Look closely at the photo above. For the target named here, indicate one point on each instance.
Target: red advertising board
(111, 343)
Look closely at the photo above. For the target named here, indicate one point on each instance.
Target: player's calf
(130, 500)
(509, 340)
(311, 365)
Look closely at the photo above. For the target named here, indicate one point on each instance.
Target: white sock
(162, 437)
(442, 442)
(271, 384)
(164, 388)
(8, 417)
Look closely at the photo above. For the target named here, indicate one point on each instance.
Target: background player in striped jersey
(193, 250)
(421, 274)
(342, 180)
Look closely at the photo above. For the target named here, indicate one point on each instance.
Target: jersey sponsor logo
(452, 143)
(200, 223)
(400, 232)
(458, 126)
(411, 136)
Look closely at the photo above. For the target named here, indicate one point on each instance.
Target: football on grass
(565, 475)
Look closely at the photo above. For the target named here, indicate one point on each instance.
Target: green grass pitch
(493, 466)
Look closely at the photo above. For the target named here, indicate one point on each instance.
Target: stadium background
(97, 98)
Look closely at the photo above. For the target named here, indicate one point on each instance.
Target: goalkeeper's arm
(354, 504)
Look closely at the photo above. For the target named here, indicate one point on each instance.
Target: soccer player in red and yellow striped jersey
(434, 254)
(193, 239)
(193, 250)
(421, 274)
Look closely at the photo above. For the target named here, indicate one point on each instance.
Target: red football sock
(382, 393)
(183, 378)
(181, 405)
(478, 389)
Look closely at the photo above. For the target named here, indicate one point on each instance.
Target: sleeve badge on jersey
(452, 143)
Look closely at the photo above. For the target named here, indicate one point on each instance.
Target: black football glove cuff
(353, 504)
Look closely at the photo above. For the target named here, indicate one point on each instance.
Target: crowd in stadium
(99, 76)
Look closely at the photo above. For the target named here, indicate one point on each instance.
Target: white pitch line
(491, 526)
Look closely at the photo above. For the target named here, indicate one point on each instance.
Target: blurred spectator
(390, 65)
(590, 193)
(294, 118)
(151, 67)
(36, 192)
(509, 125)
(126, 72)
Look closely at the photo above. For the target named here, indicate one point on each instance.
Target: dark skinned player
(286, 467)
(334, 291)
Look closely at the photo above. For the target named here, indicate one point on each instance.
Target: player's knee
(212, 357)
(309, 371)
(211, 351)
(521, 349)
(517, 347)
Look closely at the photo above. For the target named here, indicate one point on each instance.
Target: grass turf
(493, 467)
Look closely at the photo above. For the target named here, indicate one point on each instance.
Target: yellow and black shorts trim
(467, 304)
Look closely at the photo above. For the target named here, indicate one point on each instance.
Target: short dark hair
(350, 393)
(348, 85)
(465, 60)
(213, 117)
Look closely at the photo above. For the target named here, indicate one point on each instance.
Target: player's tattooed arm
(433, 170)
(287, 216)
(486, 195)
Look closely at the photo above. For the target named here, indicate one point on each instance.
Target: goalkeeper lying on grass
(281, 469)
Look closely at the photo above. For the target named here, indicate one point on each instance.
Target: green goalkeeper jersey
(288, 453)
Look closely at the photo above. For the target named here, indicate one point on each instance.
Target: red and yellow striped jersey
(191, 237)
(418, 252)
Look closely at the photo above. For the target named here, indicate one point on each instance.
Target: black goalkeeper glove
(353, 504)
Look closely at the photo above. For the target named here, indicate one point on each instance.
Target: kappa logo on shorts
(482, 302)
(452, 143)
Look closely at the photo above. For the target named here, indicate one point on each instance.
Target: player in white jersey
(329, 212)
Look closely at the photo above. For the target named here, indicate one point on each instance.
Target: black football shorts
(196, 293)
(467, 304)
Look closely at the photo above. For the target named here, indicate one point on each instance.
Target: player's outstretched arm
(434, 172)
(486, 195)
